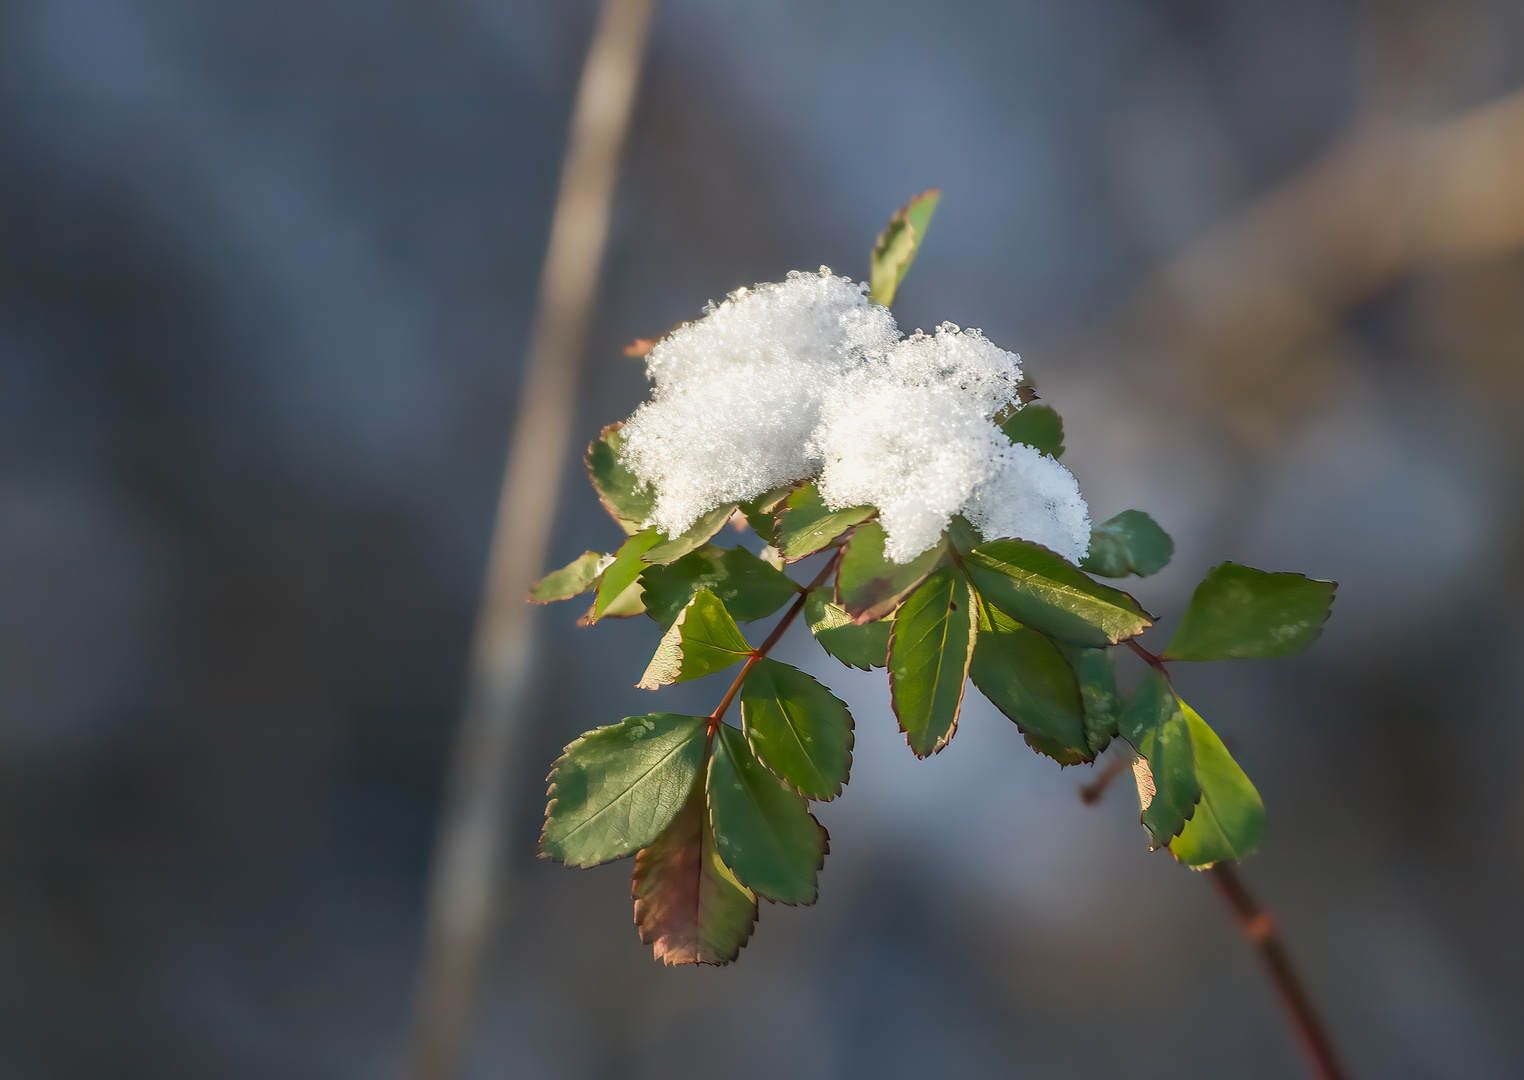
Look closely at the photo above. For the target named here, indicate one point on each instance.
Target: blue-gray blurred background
(266, 272)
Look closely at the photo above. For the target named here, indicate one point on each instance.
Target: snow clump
(807, 378)
(739, 392)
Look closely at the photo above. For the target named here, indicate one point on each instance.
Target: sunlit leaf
(616, 788)
(929, 654)
(766, 834)
(805, 525)
(862, 646)
(1230, 818)
(573, 579)
(1040, 590)
(749, 587)
(868, 585)
(623, 572)
(1028, 680)
(797, 728)
(1037, 426)
(628, 500)
(688, 905)
(1130, 543)
(1238, 611)
(898, 244)
(703, 639)
(698, 534)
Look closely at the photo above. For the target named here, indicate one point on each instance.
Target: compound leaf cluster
(717, 814)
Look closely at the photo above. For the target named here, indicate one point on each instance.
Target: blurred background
(266, 272)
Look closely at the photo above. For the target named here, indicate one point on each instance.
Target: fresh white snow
(807, 378)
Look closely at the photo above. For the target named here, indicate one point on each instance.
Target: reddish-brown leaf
(688, 905)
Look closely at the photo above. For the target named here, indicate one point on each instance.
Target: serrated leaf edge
(952, 729)
(851, 743)
(552, 801)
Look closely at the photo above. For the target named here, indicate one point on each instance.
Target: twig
(1093, 791)
(772, 639)
(1259, 927)
(1150, 659)
(469, 872)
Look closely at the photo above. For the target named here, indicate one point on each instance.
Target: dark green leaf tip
(1028, 679)
(1238, 612)
(1130, 543)
(1037, 426)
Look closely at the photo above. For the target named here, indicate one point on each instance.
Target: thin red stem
(772, 639)
(1091, 793)
(1150, 659)
(1259, 927)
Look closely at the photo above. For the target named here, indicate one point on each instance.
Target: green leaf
(797, 728)
(1037, 426)
(1238, 611)
(1166, 767)
(698, 534)
(1097, 673)
(761, 512)
(703, 639)
(689, 907)
(1230, 818)
(929, 654)
(865, 646)
(1130, 543)
(868, 585)
(750, 588)
(1028, 679)
(962, 535)
(805, 525)
(623, 572)
(898, 243)
(629, 501)
(573, 579)
(616, 788)
(766, 835)
(1039, 589)
(992, 618)
(627, 604)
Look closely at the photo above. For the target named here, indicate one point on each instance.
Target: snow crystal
(739, 391)
(1028, 494)
(808, 378)
(911, 433)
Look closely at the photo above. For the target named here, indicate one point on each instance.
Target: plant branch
(1259, 927)
(1150, 659)
(772, 639)
(1092, 792)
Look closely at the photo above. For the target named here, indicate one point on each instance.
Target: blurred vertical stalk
(470, 869)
